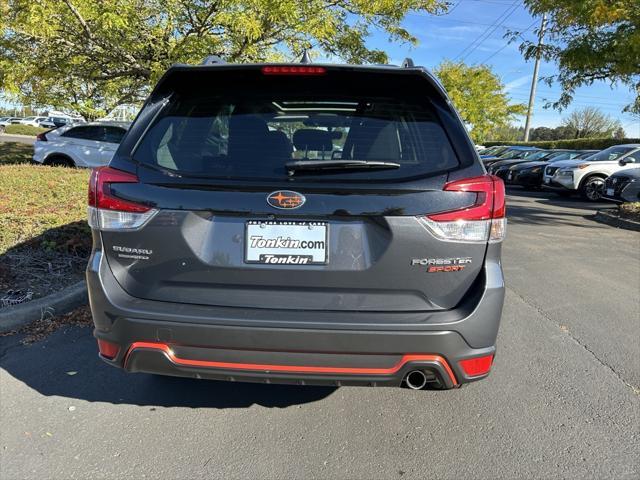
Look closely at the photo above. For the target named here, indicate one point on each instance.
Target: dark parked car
(623, 186)
(57, 122)
(503, 165)
(511, 153)
(492, 151)
(529, 174)
(309, 224)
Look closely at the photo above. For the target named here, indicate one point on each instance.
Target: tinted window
(253, 133)
(539, 155)
(114, 134)
(611, 153)
(86, 133)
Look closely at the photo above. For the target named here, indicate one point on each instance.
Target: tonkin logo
(285, 199)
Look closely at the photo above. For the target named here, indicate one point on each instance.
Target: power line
(455, 20)
(469, 49)
(508, 43)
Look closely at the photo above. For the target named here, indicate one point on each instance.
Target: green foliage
(508, 133)
(575, 144)
(23, 130)
(590, 40)
(479, 97)
(558, 133)
(590, 122)
(91, 55)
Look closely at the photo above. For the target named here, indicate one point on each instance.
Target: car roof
(178, 69)
(109, 123)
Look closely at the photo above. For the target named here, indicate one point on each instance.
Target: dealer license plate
(286, 243)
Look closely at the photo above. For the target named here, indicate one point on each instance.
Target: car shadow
(66, 364)
(528, 208)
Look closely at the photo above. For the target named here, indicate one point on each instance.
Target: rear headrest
(311, 139)
(247, 126)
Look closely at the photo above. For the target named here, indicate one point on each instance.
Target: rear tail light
(107, 349)
(483, 221)
(293, 70)
(41, 137)
(473, 367)
(107, 212)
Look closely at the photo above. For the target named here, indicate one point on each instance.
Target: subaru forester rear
(296, 223)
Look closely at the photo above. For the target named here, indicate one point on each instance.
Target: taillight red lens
(100, 190)
(489, 203)
(107, 349)
(41, 137)
(293, 70)
(472, 367)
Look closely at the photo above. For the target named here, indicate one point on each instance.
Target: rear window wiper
(333, 165)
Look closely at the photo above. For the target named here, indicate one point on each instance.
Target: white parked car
(32, 121)
(587, 176)
(84, 145)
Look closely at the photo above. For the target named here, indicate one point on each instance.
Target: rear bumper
(275, 346)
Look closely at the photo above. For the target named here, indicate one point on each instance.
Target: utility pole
(534, 80)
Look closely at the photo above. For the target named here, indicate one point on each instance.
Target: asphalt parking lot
(563, 399)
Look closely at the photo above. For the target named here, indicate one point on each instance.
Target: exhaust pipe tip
(416, 380)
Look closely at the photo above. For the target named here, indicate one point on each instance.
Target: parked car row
(610, 174)
(40, 121)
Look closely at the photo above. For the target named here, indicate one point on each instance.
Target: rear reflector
(472, 367)
(107, 349)
(293, 70)
(481, 222)
(108, 212)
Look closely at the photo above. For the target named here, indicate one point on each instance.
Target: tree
(590, 122)
(479, 97)
(507, 133)
(590, 40)
(619, 134)
(564, 133)
(91, 55)
(542, 134)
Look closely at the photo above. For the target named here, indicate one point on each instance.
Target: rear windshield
(252, 133)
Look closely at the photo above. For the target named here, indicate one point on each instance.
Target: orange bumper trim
(166, 349)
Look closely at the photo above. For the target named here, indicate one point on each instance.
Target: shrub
(574, 144)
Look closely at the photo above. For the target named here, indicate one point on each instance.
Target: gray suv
(296, 223)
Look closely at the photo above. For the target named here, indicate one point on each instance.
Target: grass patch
(12, 153)
(23, 130)
(35, 199)
(630, 210)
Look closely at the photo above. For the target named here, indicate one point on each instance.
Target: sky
(450, 35)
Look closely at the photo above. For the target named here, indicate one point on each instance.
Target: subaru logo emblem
(285, 199)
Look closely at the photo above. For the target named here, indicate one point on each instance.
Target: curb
(14, 318)
(610, 218)
(5, 134)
